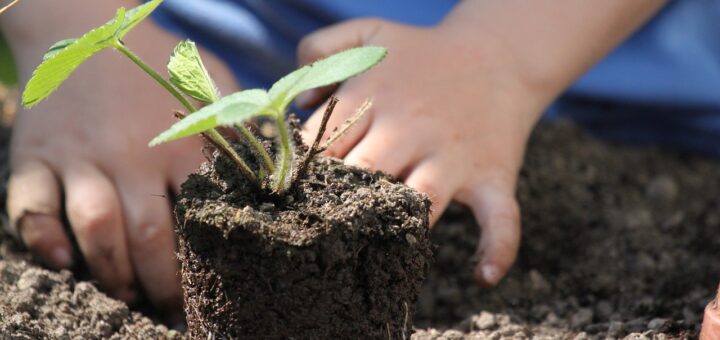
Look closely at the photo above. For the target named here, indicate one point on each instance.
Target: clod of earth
(341, 257)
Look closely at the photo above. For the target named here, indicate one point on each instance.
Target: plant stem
(285, 154)
(223, 148)
(216, 139)
(164, 83)
(213, 135)
(255, 143)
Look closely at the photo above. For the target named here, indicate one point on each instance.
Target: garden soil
(341, 256)
(618, 242)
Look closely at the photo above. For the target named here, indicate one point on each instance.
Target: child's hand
(449, 118)
(83, 155)
(455, 104)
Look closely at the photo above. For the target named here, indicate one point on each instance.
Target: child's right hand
(449, 118)
(455, 103)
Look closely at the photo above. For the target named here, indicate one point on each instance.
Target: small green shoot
(188, 73)
(189, 78)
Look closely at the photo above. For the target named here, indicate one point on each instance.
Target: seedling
(189, 78)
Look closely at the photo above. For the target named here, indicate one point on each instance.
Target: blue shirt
(660, 86)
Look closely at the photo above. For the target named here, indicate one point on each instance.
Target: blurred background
(8, 82)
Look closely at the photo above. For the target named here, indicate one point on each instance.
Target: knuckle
(507, 217)
(147, 235)
(91, 218)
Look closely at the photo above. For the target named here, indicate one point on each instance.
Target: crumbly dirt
(341, 257)
(40, 304)
(619, 242)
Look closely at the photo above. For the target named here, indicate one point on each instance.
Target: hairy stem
(222, 145)
(164, 83)
(286, 153)
(259, 148)
(212, 135)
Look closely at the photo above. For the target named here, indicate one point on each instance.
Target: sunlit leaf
(57, 47)
(54, 70)
(233, 109)
(188, 73)
(136, 15)
(333, 69)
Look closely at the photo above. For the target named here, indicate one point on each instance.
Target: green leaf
(233, 109)
(247, 104)
(136, 15)
(53, 71)
(333, 69)
(57, 47)
(188, 73)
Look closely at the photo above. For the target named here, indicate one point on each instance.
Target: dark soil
(39, 304)
(618, 242)
(342, 256)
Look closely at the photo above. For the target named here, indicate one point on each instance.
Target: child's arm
(455, 104)
(86, 147)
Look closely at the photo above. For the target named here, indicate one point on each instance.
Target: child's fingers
(34, 212)
(335, 38)
(150, 238)
(383, 148)
(95, 216)
(430, 177)
(497, 211)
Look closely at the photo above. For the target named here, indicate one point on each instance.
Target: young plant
(189, 78)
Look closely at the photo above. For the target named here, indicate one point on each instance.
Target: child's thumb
(330, 40)
(496, 210)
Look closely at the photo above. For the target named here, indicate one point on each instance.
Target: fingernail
(491, 274)
(61, 258)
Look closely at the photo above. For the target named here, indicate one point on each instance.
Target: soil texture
(342, 256)
(619, 242)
